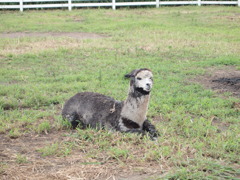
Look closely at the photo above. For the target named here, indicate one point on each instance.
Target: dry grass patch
(23, 42)
(88, 159)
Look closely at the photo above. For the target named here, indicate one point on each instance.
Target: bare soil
(40, 167)
(76, 165)
(222, 80)
(76, 35)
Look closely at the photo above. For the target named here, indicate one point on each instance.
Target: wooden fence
(40, 4)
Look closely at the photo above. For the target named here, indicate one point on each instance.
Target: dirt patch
(74, 166)
(222, 126)
(222, 80)
(45, 41)
(76, 35)
(233, 17)
(20, 159)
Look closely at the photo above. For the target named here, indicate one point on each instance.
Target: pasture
(48, 56)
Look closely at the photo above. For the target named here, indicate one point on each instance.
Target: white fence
(39, 4)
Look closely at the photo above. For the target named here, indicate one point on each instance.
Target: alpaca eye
(139, 78)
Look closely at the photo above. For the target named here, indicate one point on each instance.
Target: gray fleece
(92, 109)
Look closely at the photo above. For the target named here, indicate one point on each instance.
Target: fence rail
(39, 4)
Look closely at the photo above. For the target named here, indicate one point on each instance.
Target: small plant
(204, 170)
(66, 149)
(87, 135)
(14, 133)
(50, 150)
(57, 149)
(118, 153)
(20, 159)
(44, 127)
(61, 124)
(3, 166)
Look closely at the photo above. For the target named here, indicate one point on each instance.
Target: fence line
(70, 4)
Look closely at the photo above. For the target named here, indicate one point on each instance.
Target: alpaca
(89, 109)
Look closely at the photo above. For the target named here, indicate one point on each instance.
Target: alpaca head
(141, 80)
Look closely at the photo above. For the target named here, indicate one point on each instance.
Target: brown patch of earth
(76, 165)
(222, 80)
(233, 17)
(76, 35)
(45, 41)
(222, 126)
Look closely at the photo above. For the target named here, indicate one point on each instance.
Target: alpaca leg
(150, 128)
(74, 120)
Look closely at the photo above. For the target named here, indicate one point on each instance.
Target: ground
(76, 35)
(222, 80)
(73, 166)
(194, 54)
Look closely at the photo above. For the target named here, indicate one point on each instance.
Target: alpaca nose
(148, 86)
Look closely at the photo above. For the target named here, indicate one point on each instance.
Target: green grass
(21, 159)
(37, 74)
(57, 149)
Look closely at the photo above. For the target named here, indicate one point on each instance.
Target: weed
(60, 123)
(118, 153)
(43, 127)
(21, 159)
(205, 170)
(49, 150)
(14, 133)
(3, 166)
(57, 149)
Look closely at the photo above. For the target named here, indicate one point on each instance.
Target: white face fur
(144, 80)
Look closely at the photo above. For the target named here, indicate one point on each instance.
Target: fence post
(199, 3)
(21, 5)
(114, 4)
(69, 5)
(238, 3)
(157, 3)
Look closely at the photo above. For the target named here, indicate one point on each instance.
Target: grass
(20, 159)
(60, 149)
(37, 74)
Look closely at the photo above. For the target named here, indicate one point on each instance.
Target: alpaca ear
(131, 74)
(128, 76)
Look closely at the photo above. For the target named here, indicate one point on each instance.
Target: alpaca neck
(135, 106)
